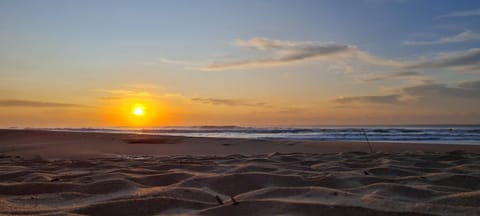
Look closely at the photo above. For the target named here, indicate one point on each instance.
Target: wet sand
(50, 144)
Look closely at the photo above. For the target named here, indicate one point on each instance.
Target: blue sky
(378, 26)
(82, 47)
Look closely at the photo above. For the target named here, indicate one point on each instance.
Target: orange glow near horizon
(140, 112)
(133, 112)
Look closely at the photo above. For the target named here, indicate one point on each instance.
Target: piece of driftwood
(233, 200)
(220, 202)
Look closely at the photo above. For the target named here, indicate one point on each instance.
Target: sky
(89, 63)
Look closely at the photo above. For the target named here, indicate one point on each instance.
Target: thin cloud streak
(463, 60)
(381, 99)
(458, 38)
(394, 75)
(289, 52)
(432, 90)
(470, 84)
(464, 13)
(230, 102)
(284, 52)
(176, 62)
(464, 90)
(35, 104)
(126, 93)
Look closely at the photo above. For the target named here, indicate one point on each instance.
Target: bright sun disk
(138, 111)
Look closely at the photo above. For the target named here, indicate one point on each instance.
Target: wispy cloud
(109, 98)
(280, 53)
(470, 84)
(464, 60)
(262, 106)
(464, 13)
(142, 86)
(393, 75)
(36, 104)
(382, 99)
(469, 90)
(124, 93)
(283, 52)
(177, 62)
(231, 102)
(288, 52)
(464, 36)
(464, 90)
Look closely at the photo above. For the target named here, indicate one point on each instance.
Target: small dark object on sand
(226, 144)
(365, 172)
(220, 202)
(233, 200)
(368, 141)
(152, 140)
(55, 180)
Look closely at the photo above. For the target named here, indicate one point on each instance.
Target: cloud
(37, 104)
(230, 102)
(176, 62)
(428, 90)
(265, 106)
(431, 90)
(109, 98)
(382, 99)
(280, 52)
(470, 84)
(265, 43)
(463, 60)
(461, 37)
(125, 93)
(288, 52)
(294, 48)
(399, 74)
(131, 90)
(284, 52)
(464, 13)
(142, 86)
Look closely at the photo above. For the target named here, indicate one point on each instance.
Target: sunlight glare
(138, 110)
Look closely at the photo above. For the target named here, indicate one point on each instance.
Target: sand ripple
(352, 183)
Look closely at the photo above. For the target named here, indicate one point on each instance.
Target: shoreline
(267, 138)
(61, 144)
(429, 134)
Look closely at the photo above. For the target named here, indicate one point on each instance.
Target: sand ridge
(351, 183)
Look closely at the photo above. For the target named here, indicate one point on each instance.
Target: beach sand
(57, 173)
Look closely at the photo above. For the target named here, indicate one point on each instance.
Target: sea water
(455, 134)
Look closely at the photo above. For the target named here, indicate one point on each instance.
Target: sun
(138, 110)
(134, 112)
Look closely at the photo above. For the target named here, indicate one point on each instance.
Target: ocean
(439, 134)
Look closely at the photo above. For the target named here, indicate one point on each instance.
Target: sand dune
(352, 183)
